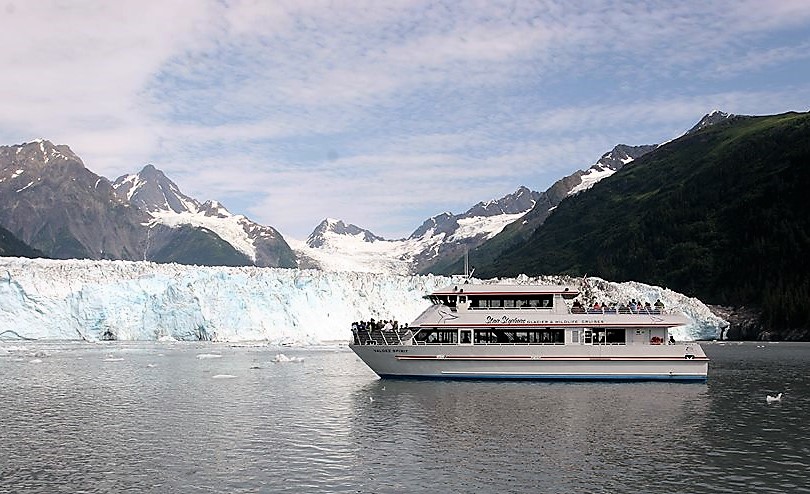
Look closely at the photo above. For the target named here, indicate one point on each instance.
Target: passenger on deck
(671, 340)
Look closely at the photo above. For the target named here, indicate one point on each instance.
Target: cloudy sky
(386, 112)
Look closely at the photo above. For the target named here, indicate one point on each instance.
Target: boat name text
(520, 320)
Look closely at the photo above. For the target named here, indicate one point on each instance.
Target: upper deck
(537, 305)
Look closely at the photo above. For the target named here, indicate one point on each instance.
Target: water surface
(161, 417)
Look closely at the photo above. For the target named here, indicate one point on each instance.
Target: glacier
(140, 300)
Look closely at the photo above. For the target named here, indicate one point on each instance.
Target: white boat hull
(681, 362)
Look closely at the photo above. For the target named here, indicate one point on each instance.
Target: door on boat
(641, 336)
(465, 337)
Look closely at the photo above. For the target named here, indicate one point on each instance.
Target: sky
(383, 113)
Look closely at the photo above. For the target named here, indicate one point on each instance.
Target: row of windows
(494, 301)
(549, 336)
(484, 336)
(511, 303)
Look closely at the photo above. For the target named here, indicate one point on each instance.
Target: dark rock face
(445, 223)
(745, 324)
(519, 201)
(709, 119)
(152, 191)
(11, 246)
(622, 154)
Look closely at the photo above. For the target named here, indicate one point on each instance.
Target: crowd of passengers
(372, 325)
(635, 307)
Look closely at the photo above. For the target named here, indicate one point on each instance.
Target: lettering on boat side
(520, 320)
(389, 350)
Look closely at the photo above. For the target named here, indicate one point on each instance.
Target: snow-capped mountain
(608, 164)
(337, 246)
(53, 203)
(93, 300)
(153, 192)
(331, 230)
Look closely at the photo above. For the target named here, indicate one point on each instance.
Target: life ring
(656, 340)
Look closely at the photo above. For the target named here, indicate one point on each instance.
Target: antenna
(467, 273)
(466, 263)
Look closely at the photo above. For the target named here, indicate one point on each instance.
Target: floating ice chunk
(113, 359)
(203, 356)
(224, 376)
(35, 361)
(283, 358)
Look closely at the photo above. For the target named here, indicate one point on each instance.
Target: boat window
(436, 336)
(615, 336)
(462, 299)
(509, 303)
(608, 336)
(542, 336)
(495, 302)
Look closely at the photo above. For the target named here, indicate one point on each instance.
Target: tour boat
(489, 331)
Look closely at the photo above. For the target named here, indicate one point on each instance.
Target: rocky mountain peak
(332, 227)
(152, 191)
(38, 155)
(520, 201)
(214, 209)
(441, 223)
(622, 154)
(712, 118)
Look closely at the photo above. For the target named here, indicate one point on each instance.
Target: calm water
(214, 418)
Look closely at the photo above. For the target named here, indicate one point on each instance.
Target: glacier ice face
(82, 299)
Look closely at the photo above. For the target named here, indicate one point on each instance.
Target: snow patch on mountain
(486, 226)
(355, 252)
(337, 246)
(230, 228)
(591, 177)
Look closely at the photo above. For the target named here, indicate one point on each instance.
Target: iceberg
(127, 300)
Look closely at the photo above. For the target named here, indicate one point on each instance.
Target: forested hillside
(722, 214)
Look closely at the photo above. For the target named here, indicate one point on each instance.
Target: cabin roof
(472, 289)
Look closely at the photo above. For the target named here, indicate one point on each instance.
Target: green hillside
(722, 214)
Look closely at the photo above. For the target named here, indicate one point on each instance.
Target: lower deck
(512, 336)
